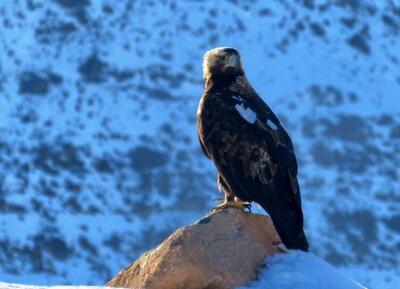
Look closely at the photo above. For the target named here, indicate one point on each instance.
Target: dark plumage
(251, 150)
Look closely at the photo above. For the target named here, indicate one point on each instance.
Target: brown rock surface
(222, 250)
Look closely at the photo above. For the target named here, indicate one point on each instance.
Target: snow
(293, 270)
(22, 286)
(300, 270)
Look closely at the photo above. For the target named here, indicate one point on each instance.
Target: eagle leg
(232, 203)
(229, 200)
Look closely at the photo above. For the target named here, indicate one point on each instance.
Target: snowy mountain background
(99, 156)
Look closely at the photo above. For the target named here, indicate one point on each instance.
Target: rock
(222, 250)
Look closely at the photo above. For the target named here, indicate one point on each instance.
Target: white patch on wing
(271, 124)
(246, 113)
(238, 98)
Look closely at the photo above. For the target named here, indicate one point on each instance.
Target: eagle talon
(232, 204)
(248, 207)
(281, 247)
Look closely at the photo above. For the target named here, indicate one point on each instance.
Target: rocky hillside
(98, 149)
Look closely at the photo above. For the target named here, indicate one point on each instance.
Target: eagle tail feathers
(289, 230)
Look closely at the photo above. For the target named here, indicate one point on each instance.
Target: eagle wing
(255, 156)
(277, 140)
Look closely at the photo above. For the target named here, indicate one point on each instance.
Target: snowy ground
(296, 270)
(22, 286)
(99, 157)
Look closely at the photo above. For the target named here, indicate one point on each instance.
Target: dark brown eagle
(251, 150)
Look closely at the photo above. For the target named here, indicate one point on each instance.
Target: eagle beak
(232, 63)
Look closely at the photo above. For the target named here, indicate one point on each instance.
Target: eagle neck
(238, 84)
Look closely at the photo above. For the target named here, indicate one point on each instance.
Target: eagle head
(222, 62)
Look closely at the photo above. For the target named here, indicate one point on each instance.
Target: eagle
(252, 152)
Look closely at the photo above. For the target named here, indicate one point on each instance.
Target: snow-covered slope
(98, 149)
(22, 286)
(301, 270)
(284, 271)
